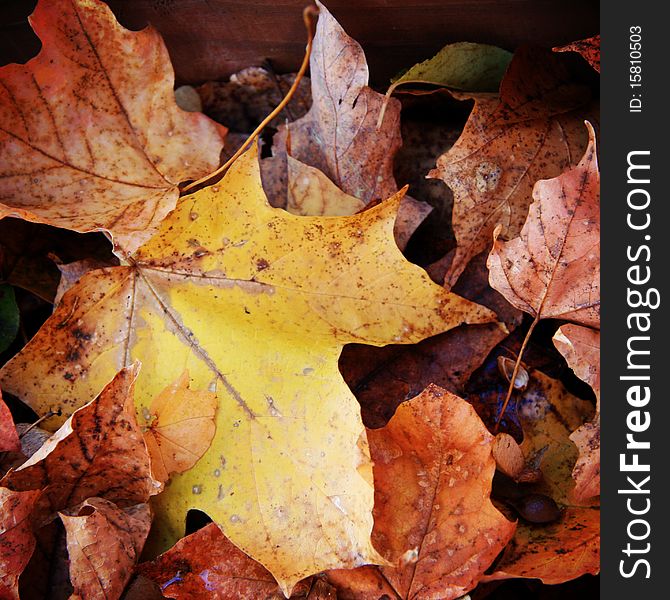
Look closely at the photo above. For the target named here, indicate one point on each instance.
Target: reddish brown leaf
(321, 590)
(433, 517)
(104, 543)
(581, 348)
(364, 583)
(207, 566)
(588, 48)
(9, 438)
(587, 468)
(339, 134)
(553, 268)
(81, 143)
(507, 145)
(141, 588)
(99, 451)
(538, 84)
(16, 538)
(382, 378)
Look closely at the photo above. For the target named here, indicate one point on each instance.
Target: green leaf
(462, 66)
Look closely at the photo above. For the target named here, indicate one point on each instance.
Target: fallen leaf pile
(292, 381)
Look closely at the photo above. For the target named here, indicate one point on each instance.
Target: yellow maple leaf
(256, 304)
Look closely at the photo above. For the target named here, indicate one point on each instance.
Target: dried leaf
(104, 543)
(321, 590)
(507, 145)
(311, 193)
(99, 451)
(581, 348)
(339, 134)
(586, 472)
(206, 566)
(553, 268)
(588, 48)
(538, 83)
(47, 574)
(231, 286)
(78, 122)
(16, 538)
(339, 138)
(508, 455)
(181, 427)
(141, 588)
(569, 547)
(9, 438)
(364, 583)
(433, 517)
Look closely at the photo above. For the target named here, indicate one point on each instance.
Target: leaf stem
(44, 417)
(308, 15)
(517, 364)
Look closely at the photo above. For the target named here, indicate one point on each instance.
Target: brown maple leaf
(90, 135)
(433, 517)
(207, 566)
(99, 451)
(17, 541)
(339, 134)
(552, 270)
(104, 543)
(589, 48)
(533, 130)
(581, 348)
(9, 438)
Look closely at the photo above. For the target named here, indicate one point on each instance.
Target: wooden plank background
(210, 39)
